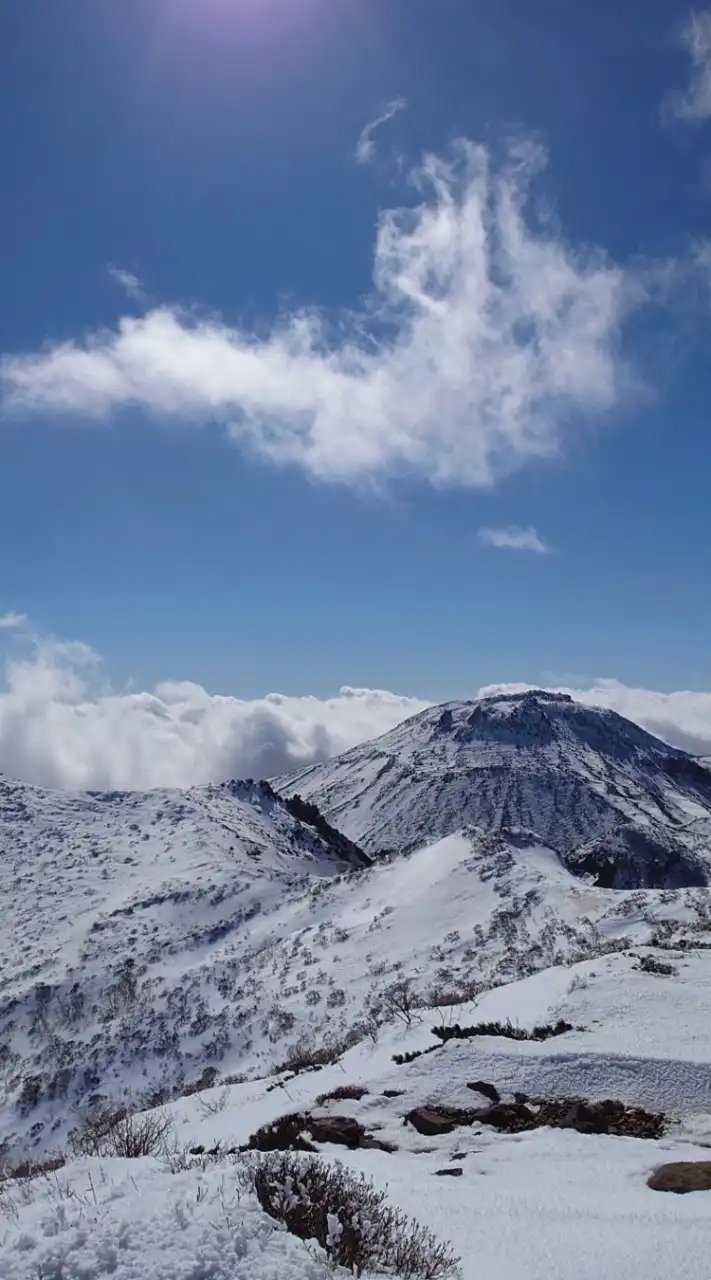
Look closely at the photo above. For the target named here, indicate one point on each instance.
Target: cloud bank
(513, 538)
(487, 341)
(62, 726)
(695, 103)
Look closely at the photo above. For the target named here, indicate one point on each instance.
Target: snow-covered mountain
(612, 800)
(151, 938)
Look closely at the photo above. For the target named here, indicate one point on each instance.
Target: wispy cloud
(695, 102)
(129, 282)
(488, 340)
(365, 148)
(513, 538)
(12, 621)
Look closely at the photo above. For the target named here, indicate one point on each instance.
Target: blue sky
(289, 524)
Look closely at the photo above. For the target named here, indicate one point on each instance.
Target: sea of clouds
(62, 725)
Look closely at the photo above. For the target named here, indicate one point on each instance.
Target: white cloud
(129, 282)
(695, 103)
(681, 718)
(512, 538)
(12, 621)
(488, 339)
(365, 148)
(61, 725)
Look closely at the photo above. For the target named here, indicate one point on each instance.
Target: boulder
(430, 1122)
(487, 1090)
(682, 1176)
(509, 1117)
(341, 1130)
(448, 1173)
(590, 1117)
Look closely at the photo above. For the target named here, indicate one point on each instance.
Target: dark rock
(488, 1090)
(682, 1176)
(392, 1093)
(607, 1116)
(340, 1130)
(299, 1132)
(509, 1117)
(430, 1122)
(284, 1134)
(586, 1118)
(448, 1173)
(369, 1143)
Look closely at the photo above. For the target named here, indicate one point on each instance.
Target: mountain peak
(577, 775)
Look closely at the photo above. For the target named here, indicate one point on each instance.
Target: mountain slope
(151, 961)
(586, 780)
(116, 909)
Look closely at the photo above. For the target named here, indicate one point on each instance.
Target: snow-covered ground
(155, 942)
(545, 1205)
(138, 958)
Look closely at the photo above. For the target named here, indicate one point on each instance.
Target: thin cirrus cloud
(695, 102)
(513, 538)
(488, 338)
(129, 282)
(365, 147)
(61, 725)
(12, 621)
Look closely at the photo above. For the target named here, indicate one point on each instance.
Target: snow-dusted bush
(351, 1221)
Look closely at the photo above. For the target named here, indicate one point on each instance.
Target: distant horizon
(63, 725)
(360, 348)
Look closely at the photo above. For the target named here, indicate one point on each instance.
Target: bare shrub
(351, 1221)
(213, 1106)
(310, 1057)
(122, 1134)
(400, 1000)
(648, 964)
(507, 1029)
(342, 1093)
